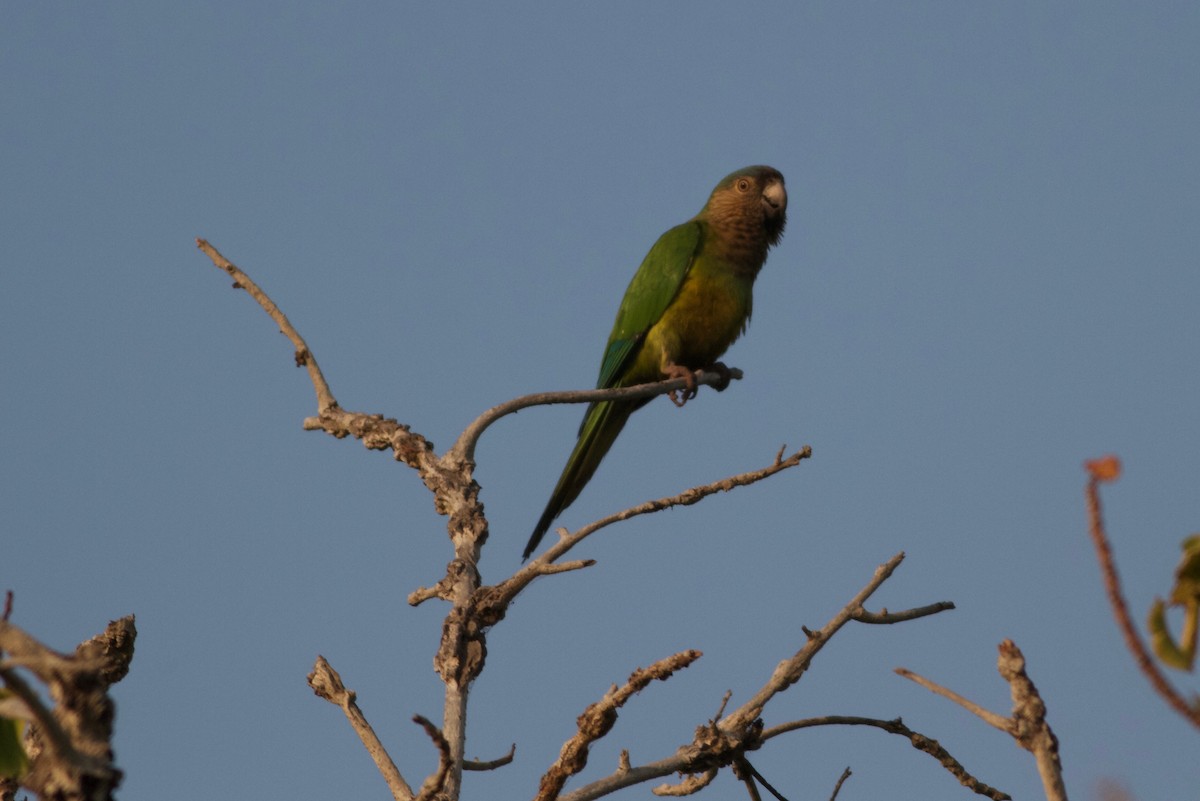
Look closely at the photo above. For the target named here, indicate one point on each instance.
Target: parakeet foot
(673, 371)
(726, 375)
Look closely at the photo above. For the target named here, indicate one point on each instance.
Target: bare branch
(687, 786)
(500, 596)
(462, 651)
(719, 743)
(491, 764)
(686, 498)
(883, 616)
(464, 448)
(327, 684)
(304, 357)
(789, 671)
(837, 788)
(918, 740)
(437, 780)
(475, 608)
(70, 756)
(991, 718)
(1104, 470)
(598, 719)
(743, 769)
(1029, 726)
(565, 567)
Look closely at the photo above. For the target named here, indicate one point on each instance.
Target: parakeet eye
(743, 185)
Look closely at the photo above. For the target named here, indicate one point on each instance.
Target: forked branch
(1027, 725)
(726, 738)
(474, 608)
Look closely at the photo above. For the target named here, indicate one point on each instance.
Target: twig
(883, 616)
(304, 356)
(686, 498)
(837, 788)
(744, 772)
(491, 764)
(1107, 470)
(742, 767)
(918, 740)
(991, 718)
(434, 783)
(327, 684)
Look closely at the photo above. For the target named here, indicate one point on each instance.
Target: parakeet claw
(673, 371)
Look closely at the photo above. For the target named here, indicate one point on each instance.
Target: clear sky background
(989, 275)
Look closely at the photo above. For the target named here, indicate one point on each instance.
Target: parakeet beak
(774, 199)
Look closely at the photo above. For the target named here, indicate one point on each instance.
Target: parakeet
(686, 304)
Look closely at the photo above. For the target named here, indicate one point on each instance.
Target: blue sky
(989, 275)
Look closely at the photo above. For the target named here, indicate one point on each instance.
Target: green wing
(650, 292)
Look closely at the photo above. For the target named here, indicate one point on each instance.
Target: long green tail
(601, 425)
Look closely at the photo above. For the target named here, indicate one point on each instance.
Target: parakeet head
(752, 195)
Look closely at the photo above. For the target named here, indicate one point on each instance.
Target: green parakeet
(686, 304)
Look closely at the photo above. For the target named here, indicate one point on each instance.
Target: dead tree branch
(599, 718)
(304, 356)
(919, 741)
(433, 784)
(464, 448)
(491, 764)
(463, 649)
(884, 617)
(1027, 725)
(327, 684)
(69, 745)
(500, 596)
(837, 788)
(723, 740)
